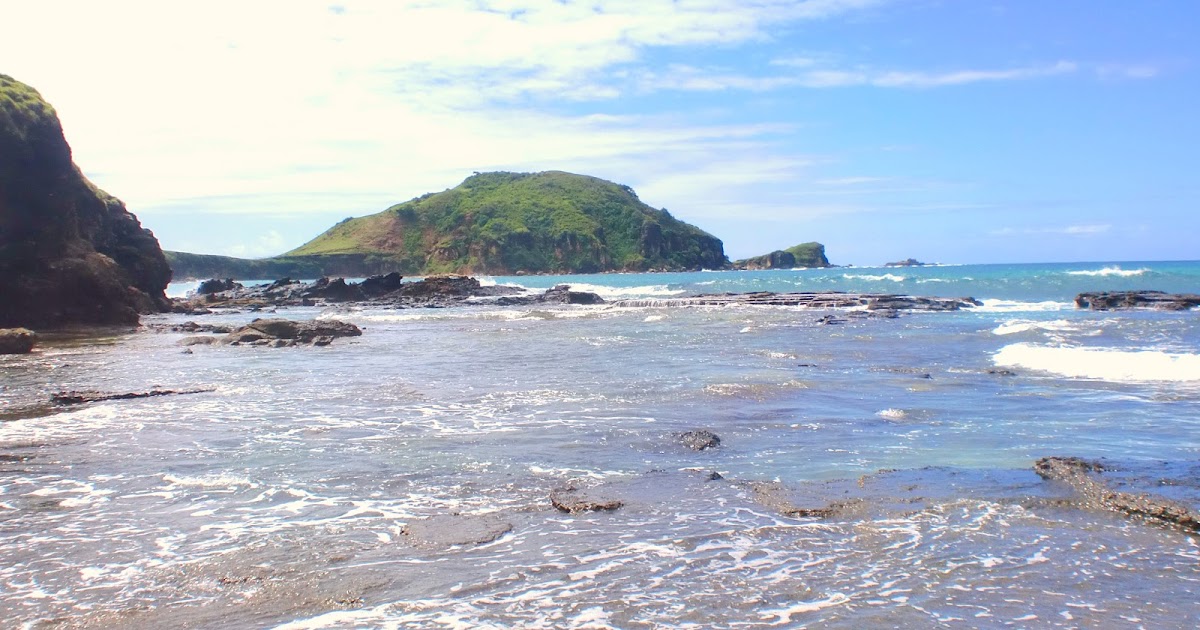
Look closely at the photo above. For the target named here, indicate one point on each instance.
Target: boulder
(381, 285)
(335, 290)
(215, 285)
(562, 294)
(699, 440)
(16, 340)
(316, 332)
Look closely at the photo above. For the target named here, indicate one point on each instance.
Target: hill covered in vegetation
(810, 255)
(551, 222)
(69, 252)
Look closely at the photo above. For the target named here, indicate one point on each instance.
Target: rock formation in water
(808, 255)
(1118, 300)
(69, 252)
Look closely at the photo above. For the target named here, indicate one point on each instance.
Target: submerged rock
(16, 340)
(456, 529)
(1083, 476)
(81, 397)
(574, 500)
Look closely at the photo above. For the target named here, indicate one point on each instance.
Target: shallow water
(280, 499)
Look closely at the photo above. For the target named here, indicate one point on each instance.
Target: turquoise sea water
(281, 499)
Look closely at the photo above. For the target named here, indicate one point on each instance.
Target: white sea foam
(208, 481)
(616, 293)
(1014, 326)
(892, 414)
(1108, 364)
(1012, 306)
(887, 276)
(1109, 271)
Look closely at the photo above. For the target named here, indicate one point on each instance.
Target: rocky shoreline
(451, 290)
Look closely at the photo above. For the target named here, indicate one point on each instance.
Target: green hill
(500, 223)
(809, 255)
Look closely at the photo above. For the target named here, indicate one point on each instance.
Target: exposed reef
(1118, 300)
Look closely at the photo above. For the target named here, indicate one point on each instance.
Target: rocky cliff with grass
(807, 255)
(69, 252)
(494, 223)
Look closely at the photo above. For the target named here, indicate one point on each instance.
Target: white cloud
(961, 77)
(268, 244)
(1066, 230)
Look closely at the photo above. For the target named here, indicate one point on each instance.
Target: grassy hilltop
(810, 255)
(531, 222)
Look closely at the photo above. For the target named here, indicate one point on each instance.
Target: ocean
(283, 498)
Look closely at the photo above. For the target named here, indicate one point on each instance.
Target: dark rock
(281, 284)
(1117, 300)
(699, 440)
(574, 500)
(1001, 372)
(381, 285)
(81, 397)
(316, 332)
(335, 290)
(16, 340)
(562, 294)
(456, 530)
(911, 303)
(217, 286)
(69, 253)
(1084, 477)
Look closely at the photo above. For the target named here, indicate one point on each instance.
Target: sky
(956, 131)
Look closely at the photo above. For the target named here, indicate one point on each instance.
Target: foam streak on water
(282, 498)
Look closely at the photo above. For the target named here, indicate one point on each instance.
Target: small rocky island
(907, 262)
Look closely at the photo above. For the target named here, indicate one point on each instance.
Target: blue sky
(951, 131)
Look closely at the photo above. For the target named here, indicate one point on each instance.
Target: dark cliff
(69, 252)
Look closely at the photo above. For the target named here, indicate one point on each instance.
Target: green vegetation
(533, 222)
(809, 255)
(22, 109)
(803, 255)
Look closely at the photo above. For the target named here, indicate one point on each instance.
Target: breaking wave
(1107, 364)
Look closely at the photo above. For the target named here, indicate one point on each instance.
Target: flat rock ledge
(90, 396)
(1084, 477)
(280, 333)
(574, 500)
(451, 530)
(1120, 300)
(17, 340)
(872, 301)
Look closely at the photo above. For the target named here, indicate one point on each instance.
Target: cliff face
(69, 252)
(500, 223)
